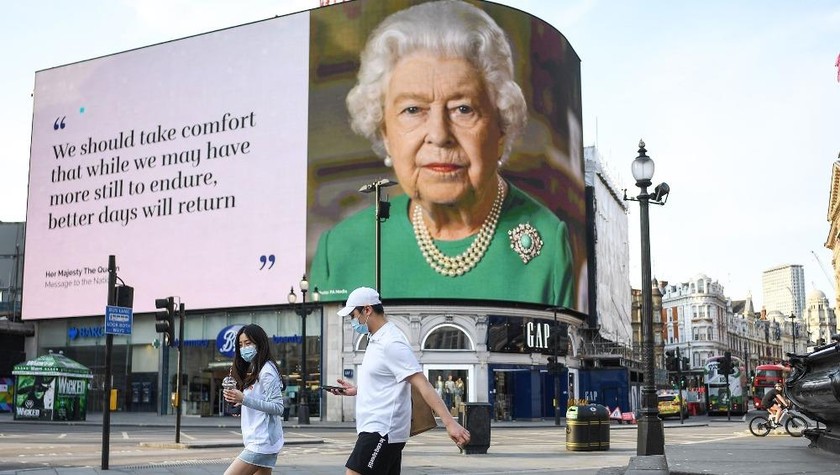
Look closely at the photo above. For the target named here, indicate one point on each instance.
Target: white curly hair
(449, 29)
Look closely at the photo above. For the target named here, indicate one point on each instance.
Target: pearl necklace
(464, 262)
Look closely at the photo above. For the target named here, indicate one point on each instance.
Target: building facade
(832, 241)
(695, 318)
(638, 335)
(13, 330)
(499, 353)
(754, 338)
(609, 254)
(819, 320)
(783, 289)
(144, 369)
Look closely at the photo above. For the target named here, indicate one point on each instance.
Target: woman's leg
(238, 467)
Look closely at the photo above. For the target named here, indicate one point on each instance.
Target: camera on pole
(165, 321)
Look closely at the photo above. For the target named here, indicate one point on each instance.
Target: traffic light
(125, 296)
(725, 367)
(558, 340)
(670, 360)
(165, 321)
(554, 367)
(685, 363)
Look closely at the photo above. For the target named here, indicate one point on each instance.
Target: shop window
(362, 343)
(447, 337)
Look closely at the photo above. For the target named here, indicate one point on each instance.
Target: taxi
(670, 404)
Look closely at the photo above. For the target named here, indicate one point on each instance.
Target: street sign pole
(109, 344)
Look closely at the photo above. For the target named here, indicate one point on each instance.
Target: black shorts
(373, 455)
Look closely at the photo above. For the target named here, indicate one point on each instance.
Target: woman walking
(259, 392)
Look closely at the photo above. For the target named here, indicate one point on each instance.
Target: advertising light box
(222, 167)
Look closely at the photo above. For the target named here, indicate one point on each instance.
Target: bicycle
(794, 424)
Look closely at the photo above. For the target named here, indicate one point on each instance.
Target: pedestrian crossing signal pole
(680, 384)
(726, 368)
(554, 367)
(178, 388)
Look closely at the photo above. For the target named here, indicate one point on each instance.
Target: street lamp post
(792, 318)
(303, 402)
(651, 435)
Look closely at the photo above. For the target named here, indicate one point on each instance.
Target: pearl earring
(388, 162)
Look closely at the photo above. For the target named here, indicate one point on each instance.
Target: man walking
(383, 395)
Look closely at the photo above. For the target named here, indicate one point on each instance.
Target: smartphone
(330, 388)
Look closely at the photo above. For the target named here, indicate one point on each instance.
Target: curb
(219, 444)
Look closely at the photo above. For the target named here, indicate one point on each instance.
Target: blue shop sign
(296, 339)
(226, 340)
(86, 332)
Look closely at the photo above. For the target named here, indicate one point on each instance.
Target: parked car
(670, 404)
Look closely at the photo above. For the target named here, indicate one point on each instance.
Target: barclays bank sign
(85, 332)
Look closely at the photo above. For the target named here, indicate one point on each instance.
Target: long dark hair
(247, 373)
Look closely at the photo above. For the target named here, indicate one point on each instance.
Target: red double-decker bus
(766, 376)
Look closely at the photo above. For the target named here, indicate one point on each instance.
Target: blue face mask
(359, 327)
(248, 352)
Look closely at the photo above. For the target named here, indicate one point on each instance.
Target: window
(447, 337)
(362, 343)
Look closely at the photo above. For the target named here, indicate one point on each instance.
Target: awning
(53, 364)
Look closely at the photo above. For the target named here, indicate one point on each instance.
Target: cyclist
(774, 401)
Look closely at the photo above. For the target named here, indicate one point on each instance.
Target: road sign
(118, 320)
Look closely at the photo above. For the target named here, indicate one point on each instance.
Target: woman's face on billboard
(441, 130)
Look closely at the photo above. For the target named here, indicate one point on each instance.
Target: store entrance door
(453, 383)
(511, 394)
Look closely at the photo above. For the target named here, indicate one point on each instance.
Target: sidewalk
(736, 453)
(146, 419)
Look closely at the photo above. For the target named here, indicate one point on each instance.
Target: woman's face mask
(248, 352)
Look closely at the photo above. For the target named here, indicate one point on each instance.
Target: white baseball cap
(359, 298)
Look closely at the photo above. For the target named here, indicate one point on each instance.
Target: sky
(737, 102)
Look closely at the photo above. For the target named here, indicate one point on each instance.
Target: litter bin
(587, 428)
(477, 421)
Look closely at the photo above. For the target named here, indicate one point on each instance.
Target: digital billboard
(222, 167)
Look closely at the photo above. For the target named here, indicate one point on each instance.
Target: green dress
(345, 258)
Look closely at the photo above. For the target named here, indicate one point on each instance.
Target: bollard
(477, 421)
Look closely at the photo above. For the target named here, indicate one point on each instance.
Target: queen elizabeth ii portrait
(436, 97)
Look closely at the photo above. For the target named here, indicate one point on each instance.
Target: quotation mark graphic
(270, 259)
(59, 125)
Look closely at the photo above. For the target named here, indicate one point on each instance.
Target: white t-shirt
(383, 401)
(262, 408)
